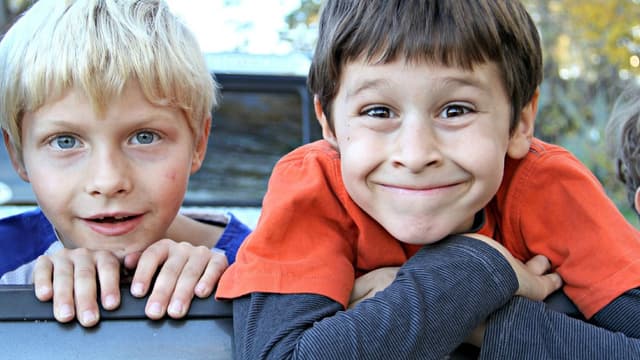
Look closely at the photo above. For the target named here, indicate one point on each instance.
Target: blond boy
(106, 112)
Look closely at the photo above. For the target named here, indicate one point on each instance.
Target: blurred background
(591, 51)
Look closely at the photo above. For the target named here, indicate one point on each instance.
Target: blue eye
(64, 142)
(454, 110)
(144, 137)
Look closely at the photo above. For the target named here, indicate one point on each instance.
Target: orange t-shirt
(551, 204)
(312, 238)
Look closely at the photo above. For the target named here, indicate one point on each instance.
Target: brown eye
(454, 110)
(380, 112)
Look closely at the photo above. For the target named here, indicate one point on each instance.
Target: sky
(253, 25)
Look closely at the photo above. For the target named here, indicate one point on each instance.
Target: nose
(109, 174)
(417, 146)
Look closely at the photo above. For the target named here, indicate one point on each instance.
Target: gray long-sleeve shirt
(437, 299)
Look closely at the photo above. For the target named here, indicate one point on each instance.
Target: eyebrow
(366, 85)
(464, 81)
(441, 83)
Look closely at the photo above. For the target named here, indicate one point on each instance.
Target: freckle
(171, 176)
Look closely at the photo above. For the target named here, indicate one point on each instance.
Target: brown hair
(459, 33)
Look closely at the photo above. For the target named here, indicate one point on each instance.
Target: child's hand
(69, 277)
(534, 280)
(186, 270)
(535, 283)
(369, 284)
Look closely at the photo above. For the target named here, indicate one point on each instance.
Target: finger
(538, 264)
(63, 305)
(166, 280)
(131, 260)
(553, 282)
(192, 272)
(148, 264)
(216, 266)
(538, 287)
(42, 278)
(370, 283)
(108, 269)
(85, 288)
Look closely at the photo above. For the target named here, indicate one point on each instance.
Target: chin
(417, 238)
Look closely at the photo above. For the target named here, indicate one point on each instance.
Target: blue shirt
(25, 236)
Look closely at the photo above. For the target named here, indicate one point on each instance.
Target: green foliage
(589, 47)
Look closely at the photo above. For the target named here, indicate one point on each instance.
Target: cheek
(487, 164)
(171, 176)
(172, 183)
(50, 187)
(175, 170)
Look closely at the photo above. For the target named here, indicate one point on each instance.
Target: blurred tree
(591, 50)
(9, 10)
(302, 24)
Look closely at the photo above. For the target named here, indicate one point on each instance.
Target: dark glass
(250, 132)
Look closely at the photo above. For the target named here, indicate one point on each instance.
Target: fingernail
(110, 302)
(175, 308)
(155, 309)
(89, 317)
(201, 289)
(137, 289)
(65, 312)
(42, 290)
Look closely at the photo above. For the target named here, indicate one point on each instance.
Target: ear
(16, 159)
(201, 145)
(327, 133)
(637, 200)
(520, 140)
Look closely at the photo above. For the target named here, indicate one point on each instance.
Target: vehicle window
(250, 132)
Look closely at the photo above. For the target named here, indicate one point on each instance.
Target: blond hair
(96, 46)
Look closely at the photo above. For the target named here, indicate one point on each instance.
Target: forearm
(526, 329)
(439, 296)
(622, 314)
(187, 229)
(213, 230)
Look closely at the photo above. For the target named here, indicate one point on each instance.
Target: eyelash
(377, 109)
(54, 142)
(154, 134)
(463, 110)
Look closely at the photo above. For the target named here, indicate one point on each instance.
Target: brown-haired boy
(427, 110)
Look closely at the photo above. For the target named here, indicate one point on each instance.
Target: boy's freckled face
(112, 182)
(422, 145)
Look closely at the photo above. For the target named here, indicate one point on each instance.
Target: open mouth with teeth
(114, 219)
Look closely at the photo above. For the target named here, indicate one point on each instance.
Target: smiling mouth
(114, 219)
(420, 188)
